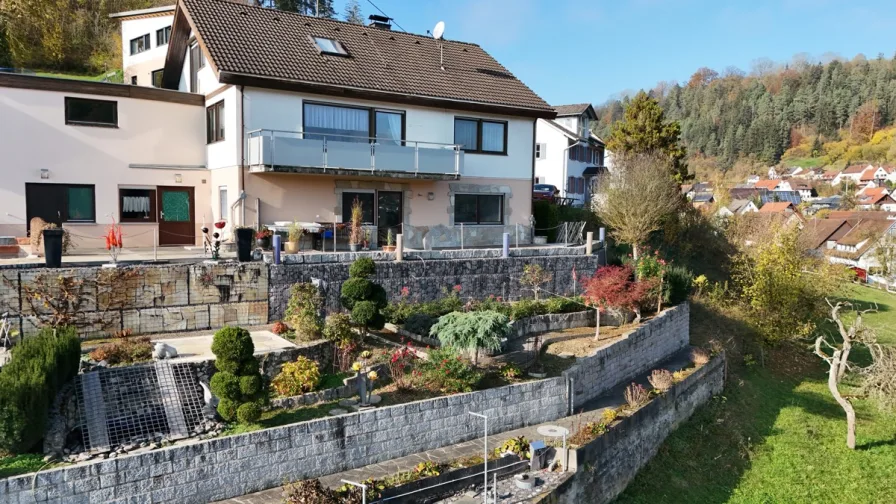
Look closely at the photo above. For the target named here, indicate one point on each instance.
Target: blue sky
(572, 51)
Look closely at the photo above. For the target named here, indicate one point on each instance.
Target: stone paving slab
(199, 348)
(589, 412)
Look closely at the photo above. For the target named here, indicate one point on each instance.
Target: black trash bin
(244, 239)
(53, 247)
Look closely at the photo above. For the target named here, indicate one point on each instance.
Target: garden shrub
(309, 491)
(677, 285)
(519, 446)
(303, 312)
(419, 323)
(238, 379)
(564, 305)
(527, 308)
(338, 329)
(365, 299)
(661, 380)
(297, 377)
(492, 303)
(635, 395)
(471, 331)
(446, 371)
(700, 356)
(401, 364)
(39, 367)
(123, 351)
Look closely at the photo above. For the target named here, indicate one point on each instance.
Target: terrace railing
(279, 150)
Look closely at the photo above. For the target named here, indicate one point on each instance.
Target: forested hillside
(77, 36)
(805, 105)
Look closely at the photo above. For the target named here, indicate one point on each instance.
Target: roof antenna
(437, 33)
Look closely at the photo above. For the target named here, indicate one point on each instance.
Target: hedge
(29, 382)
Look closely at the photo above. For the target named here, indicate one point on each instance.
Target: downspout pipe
(243, 141)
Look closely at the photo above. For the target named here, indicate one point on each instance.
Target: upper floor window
(330, 46)
(157, 77)
(90, 112)
(140, 44)
(481, 135)
(195, 65)
(352, 124)
(214, 116)
(162, 36)
(541, 150)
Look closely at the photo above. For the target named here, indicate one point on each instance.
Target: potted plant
(244, 237)
(52, 238)
(357, 230)
(294, 235)
(263, 238)
(390, 242)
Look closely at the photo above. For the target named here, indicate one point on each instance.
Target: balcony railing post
(416, 157)
(325, 152)
(456, 160)
(273, 149)
(373, 157)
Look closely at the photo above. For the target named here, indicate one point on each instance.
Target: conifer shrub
(365, 299)
(39, 367)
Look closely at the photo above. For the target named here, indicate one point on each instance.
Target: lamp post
(363, 489)
(484, 457)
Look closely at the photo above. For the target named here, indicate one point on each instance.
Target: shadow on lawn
(705, 459)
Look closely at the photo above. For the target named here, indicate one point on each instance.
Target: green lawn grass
(884, 320)
(20, 464)
(117, 77)
(803, 162)
(775, 435)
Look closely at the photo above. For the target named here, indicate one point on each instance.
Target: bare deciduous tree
(838, 360)
(635, 198)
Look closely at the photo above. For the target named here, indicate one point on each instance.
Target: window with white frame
(541, 151)
(329, 46)
(222, 198)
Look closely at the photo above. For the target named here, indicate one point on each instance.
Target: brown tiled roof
(864, 230)
(776, 207)
(856, 214)
(855, 169)
(569, 110)
(818, 231)
(247, 41)
(767, 184)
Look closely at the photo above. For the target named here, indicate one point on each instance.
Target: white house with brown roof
(857, 247)
(567, 154)
(306, 115)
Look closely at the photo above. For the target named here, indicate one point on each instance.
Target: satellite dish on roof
(439, 30)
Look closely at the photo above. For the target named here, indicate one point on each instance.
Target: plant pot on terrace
(53, 247)
(244, 238)
(263, 238)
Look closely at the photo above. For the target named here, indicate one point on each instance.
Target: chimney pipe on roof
(381, 22)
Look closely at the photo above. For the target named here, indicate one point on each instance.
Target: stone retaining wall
(609, 463)
(426, 280)
(139, 299)
(551, 322)
(236, 465)
(637, 352)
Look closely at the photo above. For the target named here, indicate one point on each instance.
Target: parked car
(544, 192)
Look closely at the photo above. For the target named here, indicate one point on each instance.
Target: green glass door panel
(175, 206)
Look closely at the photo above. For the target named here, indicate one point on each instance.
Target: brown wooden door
(177, 224)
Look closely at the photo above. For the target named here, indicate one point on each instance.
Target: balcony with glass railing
(318, 153)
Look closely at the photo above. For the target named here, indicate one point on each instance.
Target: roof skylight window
(329, 46)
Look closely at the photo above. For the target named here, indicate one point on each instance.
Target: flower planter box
(348, 389)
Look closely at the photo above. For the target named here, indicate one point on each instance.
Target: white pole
(495, 488)
(461, 235)
(517, 235)
(484, 457)
(363, 489)
(334, 240)
(155, 244)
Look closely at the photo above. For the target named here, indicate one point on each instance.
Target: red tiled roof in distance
(767, 184)
(776, 207)
(855, 169)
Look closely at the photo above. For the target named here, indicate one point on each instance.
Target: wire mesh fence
(133, 404)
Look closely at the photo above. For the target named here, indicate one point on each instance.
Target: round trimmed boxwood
(248, 413)
(366, 313)
(353, 290)
(362, 268)
(238, 380)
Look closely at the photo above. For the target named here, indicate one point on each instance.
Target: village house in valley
(266, 117)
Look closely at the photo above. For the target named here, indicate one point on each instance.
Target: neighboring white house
(857, 248)
(144, 44)
(81, 153)
(567, 154)
(852, 175)
(306, 115)
(737, 207)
